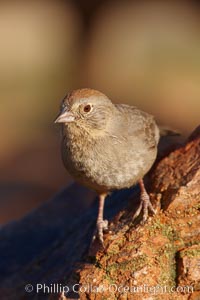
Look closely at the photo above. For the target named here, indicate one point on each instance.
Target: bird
(107, 147)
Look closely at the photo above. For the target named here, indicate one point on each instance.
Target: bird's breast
(106, 163)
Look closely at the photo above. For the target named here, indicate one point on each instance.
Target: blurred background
(145, 53)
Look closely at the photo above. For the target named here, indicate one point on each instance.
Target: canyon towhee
(107, 146)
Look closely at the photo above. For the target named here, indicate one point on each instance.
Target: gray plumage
(106, 146)
(117, 154)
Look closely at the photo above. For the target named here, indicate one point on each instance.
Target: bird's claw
(145, 206)
(101, 227)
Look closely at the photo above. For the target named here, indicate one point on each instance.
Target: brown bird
(107, 146)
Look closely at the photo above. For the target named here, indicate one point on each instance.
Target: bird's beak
(65, 117)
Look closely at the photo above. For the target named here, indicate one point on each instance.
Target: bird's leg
(101, 223)
(145, 203)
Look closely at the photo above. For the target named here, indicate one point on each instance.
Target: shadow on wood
(51, 244)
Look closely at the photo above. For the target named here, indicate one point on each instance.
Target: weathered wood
(44, 246)
(165, 252)
(52, 244)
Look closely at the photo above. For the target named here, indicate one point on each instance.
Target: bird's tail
(168, 131)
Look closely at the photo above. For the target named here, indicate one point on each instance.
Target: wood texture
(52, 244)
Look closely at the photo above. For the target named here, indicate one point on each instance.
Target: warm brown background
(145, 53)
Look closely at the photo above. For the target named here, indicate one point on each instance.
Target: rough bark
(52, 244)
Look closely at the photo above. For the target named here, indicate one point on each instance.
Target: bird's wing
(139, 123)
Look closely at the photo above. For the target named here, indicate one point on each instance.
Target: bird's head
(87, 109)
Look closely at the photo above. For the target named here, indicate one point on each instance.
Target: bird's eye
(87, 108)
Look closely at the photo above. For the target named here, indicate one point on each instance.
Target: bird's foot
(145, 206)
(101, 227)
